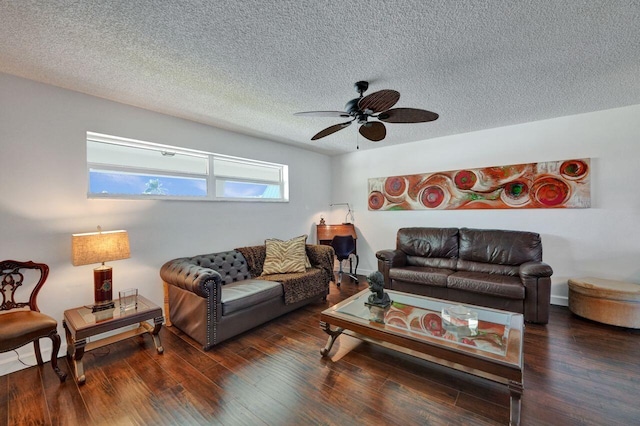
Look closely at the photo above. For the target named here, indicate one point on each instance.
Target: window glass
(124, 168)
(233, 189)
(111, 182)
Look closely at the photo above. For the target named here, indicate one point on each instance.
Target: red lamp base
(102, 288)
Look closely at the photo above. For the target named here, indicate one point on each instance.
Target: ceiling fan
(375, 105)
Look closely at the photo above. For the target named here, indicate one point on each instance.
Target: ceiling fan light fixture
(351, 107)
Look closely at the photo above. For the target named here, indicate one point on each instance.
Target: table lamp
(349, 212)
(100, 247)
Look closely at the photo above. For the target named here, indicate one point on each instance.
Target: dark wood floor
(577, 372)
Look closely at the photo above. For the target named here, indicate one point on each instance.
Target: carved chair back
(12, 275)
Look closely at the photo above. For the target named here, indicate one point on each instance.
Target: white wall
(43, 195)
(602, 241)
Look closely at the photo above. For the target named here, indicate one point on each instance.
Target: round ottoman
(606, 301)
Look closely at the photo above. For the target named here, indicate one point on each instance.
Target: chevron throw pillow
(284, 257)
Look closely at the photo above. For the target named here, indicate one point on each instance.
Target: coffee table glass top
(421, 317)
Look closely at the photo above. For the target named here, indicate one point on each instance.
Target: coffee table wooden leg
(153, 331)
(154, 334)
(333, 335)
(76, 359)
(515, 391)
(75, 352)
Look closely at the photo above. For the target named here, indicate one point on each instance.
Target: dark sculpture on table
(376, 285)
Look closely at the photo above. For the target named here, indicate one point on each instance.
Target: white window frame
(213, 181)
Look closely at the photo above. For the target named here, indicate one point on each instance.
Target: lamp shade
(99, 247)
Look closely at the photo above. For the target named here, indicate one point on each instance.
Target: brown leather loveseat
(493, 268)
(213, 297)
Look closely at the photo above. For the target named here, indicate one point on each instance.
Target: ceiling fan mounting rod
(361, 87)
(352, 106)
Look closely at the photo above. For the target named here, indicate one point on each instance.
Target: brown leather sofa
(493, 268)
(216, 296)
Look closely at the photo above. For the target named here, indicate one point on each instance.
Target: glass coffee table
(489, 347)
(82, 324)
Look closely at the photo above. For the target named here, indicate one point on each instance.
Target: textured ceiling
(247, 66)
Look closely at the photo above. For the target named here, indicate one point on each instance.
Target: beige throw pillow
(285, 256)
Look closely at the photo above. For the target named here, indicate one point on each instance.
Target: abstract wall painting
(552, 184)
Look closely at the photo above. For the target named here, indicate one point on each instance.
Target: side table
(81, 323)
(606, 301)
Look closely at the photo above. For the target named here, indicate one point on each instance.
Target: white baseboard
(559, 300)
(12, 364)
(364, 272)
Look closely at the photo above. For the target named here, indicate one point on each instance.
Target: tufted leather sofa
(216, 296)
(493, 268)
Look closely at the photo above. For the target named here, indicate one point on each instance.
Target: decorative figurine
(376, 285)
(322, 222)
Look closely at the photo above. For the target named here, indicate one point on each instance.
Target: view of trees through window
(119, 183)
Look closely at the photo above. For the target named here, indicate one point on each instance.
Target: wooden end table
(81, 323)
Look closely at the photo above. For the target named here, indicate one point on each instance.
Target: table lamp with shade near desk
(100, 247)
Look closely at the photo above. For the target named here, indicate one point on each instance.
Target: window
(239, 178)
(124, 168)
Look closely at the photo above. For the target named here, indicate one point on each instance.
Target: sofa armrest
(535, 270)
(193, 299)
(188, 276)
(388, 259)
(536, 279)
(392, 257)
(322, 257)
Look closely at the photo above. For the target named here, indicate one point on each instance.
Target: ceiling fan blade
(330, 130)
(379, 101)
(374, 131)
(407, 115)
(323, 114)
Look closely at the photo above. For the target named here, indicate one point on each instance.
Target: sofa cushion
(428, 242)
(432, 262)
(285, 256)
(299, 286)
(490, 284)
(500, 247)
(247, 293)
(421, 275)
(489, 268)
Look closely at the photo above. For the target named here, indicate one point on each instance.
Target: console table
(80, 324)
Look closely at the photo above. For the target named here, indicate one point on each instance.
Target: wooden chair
(23, 323)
